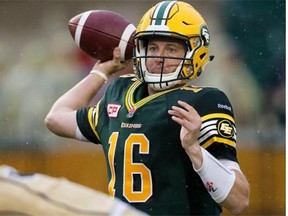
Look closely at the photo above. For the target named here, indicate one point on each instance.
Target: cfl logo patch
(113, 110)
(225, 129)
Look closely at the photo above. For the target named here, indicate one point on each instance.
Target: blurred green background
(39, 61)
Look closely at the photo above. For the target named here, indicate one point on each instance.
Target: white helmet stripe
(161, 12)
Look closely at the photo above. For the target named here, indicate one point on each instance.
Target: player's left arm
(227, 185)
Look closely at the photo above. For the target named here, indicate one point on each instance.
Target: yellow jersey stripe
(129, 103)
(219, 140)
(92, 119)
(217, 115)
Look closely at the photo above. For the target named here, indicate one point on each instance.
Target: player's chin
(155, 72)
(160, 71)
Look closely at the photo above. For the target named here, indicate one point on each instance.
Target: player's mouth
(158, 69)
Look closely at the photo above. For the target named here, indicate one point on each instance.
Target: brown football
(98, 32)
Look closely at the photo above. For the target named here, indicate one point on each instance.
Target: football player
(170, 146)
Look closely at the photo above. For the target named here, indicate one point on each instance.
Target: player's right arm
(61, 119)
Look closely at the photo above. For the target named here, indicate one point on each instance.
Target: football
(98, 32)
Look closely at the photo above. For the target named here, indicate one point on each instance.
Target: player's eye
(171, 50)
(152, 49)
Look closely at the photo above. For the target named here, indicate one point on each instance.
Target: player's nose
(159, 56)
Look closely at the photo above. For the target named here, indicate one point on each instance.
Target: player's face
(164, 47)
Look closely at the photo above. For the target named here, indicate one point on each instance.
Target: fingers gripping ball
(98, 32)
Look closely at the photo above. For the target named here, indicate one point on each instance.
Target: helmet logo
(205, 35)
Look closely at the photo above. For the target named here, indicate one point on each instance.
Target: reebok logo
(222, 106)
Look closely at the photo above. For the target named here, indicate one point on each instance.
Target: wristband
(217, 179)
(99, 73)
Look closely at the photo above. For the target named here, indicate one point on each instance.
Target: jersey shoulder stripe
(93, 114)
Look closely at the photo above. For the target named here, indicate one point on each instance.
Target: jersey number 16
(130, 168)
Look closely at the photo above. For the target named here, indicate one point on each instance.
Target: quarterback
(170, 146)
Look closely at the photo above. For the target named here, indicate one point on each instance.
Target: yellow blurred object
(39, 194)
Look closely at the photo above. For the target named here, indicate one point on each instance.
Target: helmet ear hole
(202, 55)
